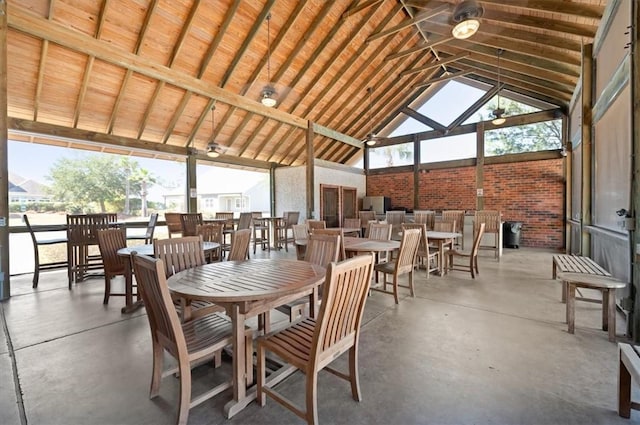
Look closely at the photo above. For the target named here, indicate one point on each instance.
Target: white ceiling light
(268, 92)
(498, 113)
(466, 15)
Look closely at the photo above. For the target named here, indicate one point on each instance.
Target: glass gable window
(450, 102)
(391, 156)
(525, 138)
(449, 148)
(409, 126)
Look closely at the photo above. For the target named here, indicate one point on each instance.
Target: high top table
(441, 238)
(246, 289)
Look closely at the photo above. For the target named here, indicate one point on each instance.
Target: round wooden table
(246, 289)
(605, 284)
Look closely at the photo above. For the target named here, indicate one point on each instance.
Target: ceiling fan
(466, 16)
(213, 149)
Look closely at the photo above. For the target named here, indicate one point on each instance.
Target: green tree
(93, 181)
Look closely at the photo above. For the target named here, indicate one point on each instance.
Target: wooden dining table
(147, 249)
(246, 289)
(441, 238)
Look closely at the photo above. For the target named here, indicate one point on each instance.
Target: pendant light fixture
(268, 92)
(370, 140)
(466, 15)
(213, 150)
(498, 113)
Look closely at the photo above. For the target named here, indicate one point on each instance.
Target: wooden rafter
(408, 23)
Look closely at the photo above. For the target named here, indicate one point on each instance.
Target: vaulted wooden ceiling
(137, 75)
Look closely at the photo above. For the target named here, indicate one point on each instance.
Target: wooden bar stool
(605, 284)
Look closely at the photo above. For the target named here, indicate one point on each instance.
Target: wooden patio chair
(178, 254)
(338, 232)
(244, 223)
(189, 221)
(396, 218)
(300, 232)
(381, 232)
(109, 242)
(316, 224)
(261, 231)
(322, 249)
(365, 218)
(229, 226)
(448, 226)
(174, 225)
(284, 227)
(493, 226)
(312, 344)
(147, 237)
(424, 217)
(81, 239)
(470, 259)
(458, 217)
(37, 243)
(240, 245)
(189, 343)
(404, 264)
(425, 257)
(211, 233)
(352, 223)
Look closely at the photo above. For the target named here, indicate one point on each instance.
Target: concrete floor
(494, 350)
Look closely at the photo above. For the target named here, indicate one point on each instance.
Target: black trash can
(511, 234)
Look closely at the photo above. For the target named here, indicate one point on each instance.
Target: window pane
(450, 148)
(230, 189)
(450, 102)
(511, 107)
(409, 126)
(525, 138)
(391, 156)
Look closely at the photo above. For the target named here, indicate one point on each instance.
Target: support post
(634, 236)
(5, 292)
(310, 171)
(567, 173)
(480, 166)
(587, 94)
(192, 185)
(416, 172)
(272, 188)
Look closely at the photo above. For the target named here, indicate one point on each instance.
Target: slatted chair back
(424, 217)
(244, 222)
(147, 237)
(408, 250)
(396, 218)
(455, 215)
(211, 233)
(472, 257)
(240, 245)
(109, 242)
(366, 217)
(81, 234)
(323, 249)
(174, 224)
(300, 231)
(189, 221)
(228, 216)
(336, 331)
(491, 219)
(351, 223)
(380, 231)
(444, 226)
(423, 246)
(291, 218)
(179, 254)
(256, 214)
(477, 238)
(316, 224)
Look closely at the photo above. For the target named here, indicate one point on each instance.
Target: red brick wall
(530, 192)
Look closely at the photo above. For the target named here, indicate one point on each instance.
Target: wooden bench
(605, 284)
(628, 367)
(566, 263)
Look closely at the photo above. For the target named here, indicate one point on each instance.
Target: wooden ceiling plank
(581, 10)
(554, 25)
(317, 22)
(176, 116)
(203, 115)
(248, 39)
(83, 90)
(184, 32)
(42, 67)
(118, 103)
(256, 72)
(423, 16)
(149, 108)
(36, 26)
(357, 8)
(228, 19)
(360, 26)
(437, 64)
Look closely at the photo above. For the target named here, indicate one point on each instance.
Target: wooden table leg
(240, 398)
(624, 387)
(441, 257)
(571, 301)
(605, 310)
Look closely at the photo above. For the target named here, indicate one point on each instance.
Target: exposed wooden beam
(578, 30)
(433, 65)
(357, 8)
(581, 10)
(422, 118)
(423, 16)
(418, 48)
(446, 77)
(211, 50)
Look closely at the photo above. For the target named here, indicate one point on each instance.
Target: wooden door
(349, 203)
(330, 205)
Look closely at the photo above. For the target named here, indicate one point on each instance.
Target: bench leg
(605, 310)
(624, 390)
(564, 292)
(554, 271)
(571, 301)
(611, 307)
